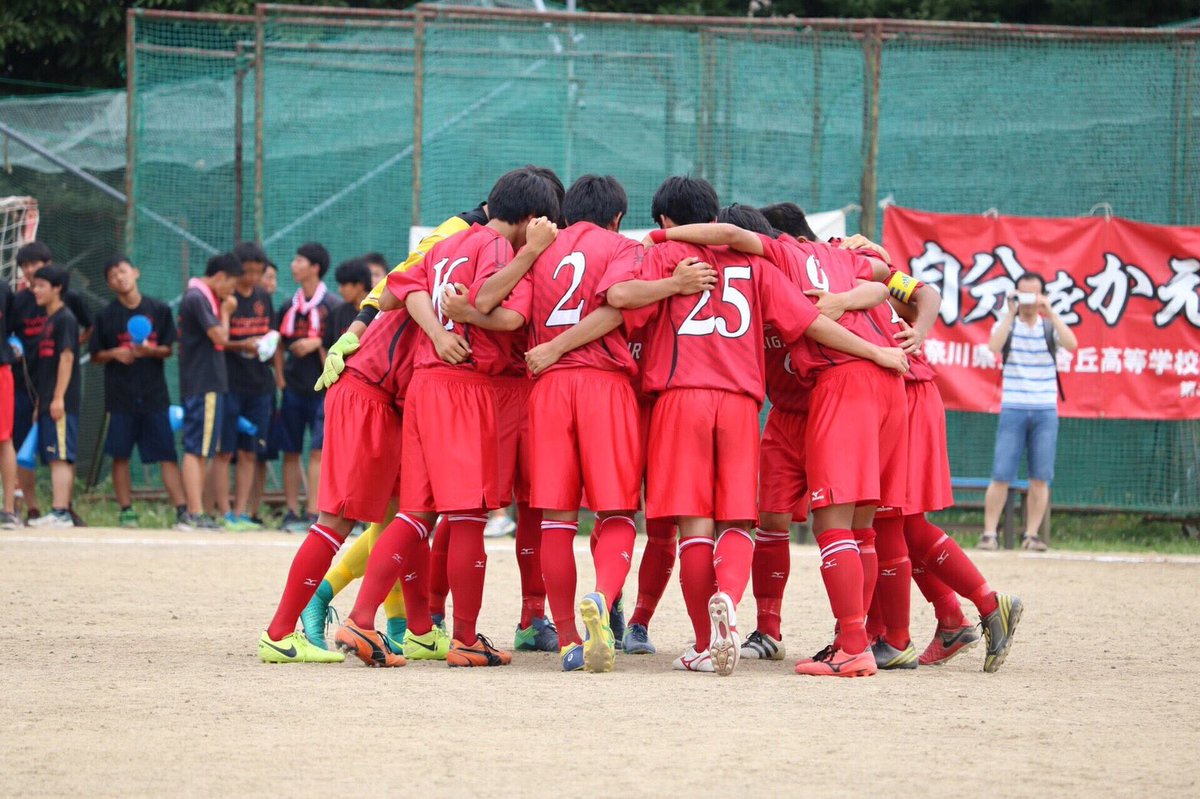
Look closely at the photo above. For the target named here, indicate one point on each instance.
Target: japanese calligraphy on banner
(1129, 291)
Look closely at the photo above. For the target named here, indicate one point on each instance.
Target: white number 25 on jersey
(716, 324)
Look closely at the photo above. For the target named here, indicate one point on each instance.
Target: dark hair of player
(1027, 276)
(547, 173)
(316, 254)
(521, 194)
(685, 201)
(54, 275)
(375, 259)
(270, 265)
(596, 199)
(789, 218)
(114, 262)
(354, 271)
(34, 251)
(224, 262)
(747, 217)
(249, 252)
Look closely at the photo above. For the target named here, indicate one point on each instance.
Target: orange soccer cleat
(830, 662)
(481, 653)
(366, 645)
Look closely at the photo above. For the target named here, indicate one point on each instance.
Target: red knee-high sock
(941, 596)
(308, 567)
(658, 561)
(841, 570)
(391, 558)
(942, 556)
(865, 538)
(732, 559)
(771, 567)
(699, 582)
(893, 592)
(558, 571)
(438, 585)
(529, 539)
(613, 554)
(466, 566)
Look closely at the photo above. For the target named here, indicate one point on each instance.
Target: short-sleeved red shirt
(469, 258)
(570, 280)
(385, 354)
(714, 340)
(813, 265)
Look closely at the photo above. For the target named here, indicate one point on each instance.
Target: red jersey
(886, 317)
(714, 340)
(470, 258)
(812, 265)
(570, 280)
(385, 354)
(786, 390)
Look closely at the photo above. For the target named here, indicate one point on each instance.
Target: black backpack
(1051, 345)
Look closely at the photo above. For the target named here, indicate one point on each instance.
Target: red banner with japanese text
(1129, 291)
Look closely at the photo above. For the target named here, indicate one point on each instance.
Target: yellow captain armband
(902, 286)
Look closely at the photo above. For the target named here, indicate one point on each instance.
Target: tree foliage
(82, 42)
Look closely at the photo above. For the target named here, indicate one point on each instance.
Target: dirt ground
(130, 668)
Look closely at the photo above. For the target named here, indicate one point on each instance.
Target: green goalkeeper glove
(335, 361)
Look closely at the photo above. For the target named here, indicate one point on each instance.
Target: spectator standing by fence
(1027, 338)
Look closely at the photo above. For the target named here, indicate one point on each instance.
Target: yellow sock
(393, 606)
(353, 564)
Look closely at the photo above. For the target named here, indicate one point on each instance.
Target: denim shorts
(1020, 431)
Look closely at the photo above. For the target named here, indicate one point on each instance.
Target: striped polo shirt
(1030, 381)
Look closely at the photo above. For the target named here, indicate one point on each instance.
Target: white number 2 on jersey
(729, 293)
(565, 317)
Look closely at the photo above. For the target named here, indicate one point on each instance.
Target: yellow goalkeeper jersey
(453, 225)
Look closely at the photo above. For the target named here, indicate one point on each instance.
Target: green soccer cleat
(317, 615)
(540, 636)
(397, 627)
(998, 629)
(433, 645)
(128, 518)
(294, 648)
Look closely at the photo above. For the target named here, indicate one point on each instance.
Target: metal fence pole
(872, 51)
(418, 126)
(130, 126)
(239, 90)
(260, 68)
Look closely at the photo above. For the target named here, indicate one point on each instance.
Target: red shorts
(449, 459)
(928, 461)
(782, 487)
(585, 434)
(703, 455)
(857, 437)
(360, 462)
(512, 431)
(7, 398)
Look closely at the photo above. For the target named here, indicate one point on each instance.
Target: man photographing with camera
(1027, 338)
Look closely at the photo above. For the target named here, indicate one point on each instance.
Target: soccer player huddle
(530, 352)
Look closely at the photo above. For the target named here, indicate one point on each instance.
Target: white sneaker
(988, 542)
(691, 660)
(54, 520)
(760, 646)
(725, 646)
(499, 526)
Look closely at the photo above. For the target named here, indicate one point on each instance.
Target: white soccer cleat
(760, 646)
(499, 526)
(725, 646)
(691, 660)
